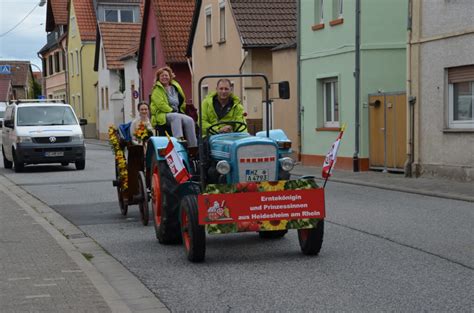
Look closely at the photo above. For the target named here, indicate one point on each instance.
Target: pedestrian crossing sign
(5, 69)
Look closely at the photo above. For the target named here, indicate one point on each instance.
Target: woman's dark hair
(140, 104)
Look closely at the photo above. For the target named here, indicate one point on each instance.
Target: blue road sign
(5, 69)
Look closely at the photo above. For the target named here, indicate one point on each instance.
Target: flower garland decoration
(141, 133)
(119, 157)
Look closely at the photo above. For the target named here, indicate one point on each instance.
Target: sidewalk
(49, 265)
(426, 185)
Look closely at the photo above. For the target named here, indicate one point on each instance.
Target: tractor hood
(222, 146)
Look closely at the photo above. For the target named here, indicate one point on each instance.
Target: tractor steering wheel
(236, 125)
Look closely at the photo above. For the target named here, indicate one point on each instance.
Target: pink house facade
(163, 42)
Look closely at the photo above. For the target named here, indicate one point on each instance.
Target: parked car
(42, 131)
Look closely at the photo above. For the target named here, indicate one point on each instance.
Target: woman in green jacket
(168, 103)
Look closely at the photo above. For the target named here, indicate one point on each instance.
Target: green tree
(35, 88)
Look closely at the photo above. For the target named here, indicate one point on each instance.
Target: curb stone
(121, 290)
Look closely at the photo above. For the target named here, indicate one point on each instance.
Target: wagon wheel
(165, 203)
(311, 239)
(143, 196)
(120, 193)
(193, 234)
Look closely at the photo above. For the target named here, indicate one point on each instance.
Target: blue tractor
(230, 177)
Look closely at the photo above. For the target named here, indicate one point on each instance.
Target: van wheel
(6, 163)
(19, 166)
(80, 165)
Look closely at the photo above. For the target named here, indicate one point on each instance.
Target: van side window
(9, 114)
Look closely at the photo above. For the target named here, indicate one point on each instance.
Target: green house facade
(326, 43)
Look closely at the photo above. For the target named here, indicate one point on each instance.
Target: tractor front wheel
(194, 236)
(311, 239)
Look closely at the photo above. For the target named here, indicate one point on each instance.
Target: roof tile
(174, 23)
(59, 11)
(19, 72)
(118, 39)
(85, 17)
(265, 22)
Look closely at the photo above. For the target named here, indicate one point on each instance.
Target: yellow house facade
(82, 78)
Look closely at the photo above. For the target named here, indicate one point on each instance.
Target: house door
(387, 131)
(253, 106)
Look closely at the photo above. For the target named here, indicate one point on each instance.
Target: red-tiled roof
(59, 11)
(265, 23)
(117, 39)
(19, 72)
(85, 17)
(130, 52)
(5, 89)
(174, 24)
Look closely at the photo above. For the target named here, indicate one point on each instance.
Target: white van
(42, 131)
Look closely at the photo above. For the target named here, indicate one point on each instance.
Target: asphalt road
(382, 251)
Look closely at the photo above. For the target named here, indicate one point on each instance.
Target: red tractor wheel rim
(185, 227)
(156, 199)
(304, 234)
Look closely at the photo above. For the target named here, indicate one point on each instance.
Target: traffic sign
(135, 94)
(5, 69)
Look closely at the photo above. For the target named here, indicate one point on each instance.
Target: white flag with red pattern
(175, 163)
(331, 156)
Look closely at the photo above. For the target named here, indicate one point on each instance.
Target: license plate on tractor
(256, 175)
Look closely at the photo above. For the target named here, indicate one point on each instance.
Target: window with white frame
(119, 15)
(337, 9)
(222, 28)
(71, 62)
(330, 102)
(208, 12)
(461, 97)
(77, 63)
(318, 12)
(73, 26)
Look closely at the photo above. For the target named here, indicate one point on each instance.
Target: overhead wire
(21, 21)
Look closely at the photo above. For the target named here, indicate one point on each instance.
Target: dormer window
(119, 14)
(122, 16)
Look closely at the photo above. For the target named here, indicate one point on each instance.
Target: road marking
(38, 296)
(44, 285)
(18, 278)
(52, 279)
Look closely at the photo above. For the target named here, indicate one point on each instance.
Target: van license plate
(54, 154)
(256, 175)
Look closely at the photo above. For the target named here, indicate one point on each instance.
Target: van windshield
(45, 115)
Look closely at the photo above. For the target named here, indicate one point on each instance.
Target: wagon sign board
(261, 206)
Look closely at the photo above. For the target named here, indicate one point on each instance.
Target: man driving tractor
(222, 106)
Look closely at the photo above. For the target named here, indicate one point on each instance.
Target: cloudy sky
(23, 42)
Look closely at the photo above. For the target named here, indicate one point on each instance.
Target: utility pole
(355, 159)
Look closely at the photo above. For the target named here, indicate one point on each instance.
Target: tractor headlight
(223, 167)
(23, 139)
(287, 164)
(284, 144)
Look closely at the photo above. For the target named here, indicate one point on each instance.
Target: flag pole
(343, 128)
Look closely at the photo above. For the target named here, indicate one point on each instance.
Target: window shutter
(461, 74)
